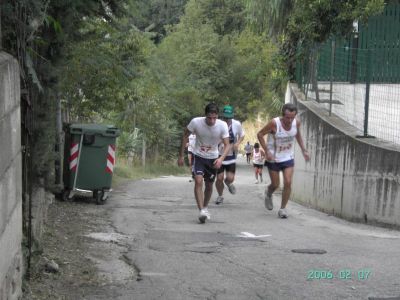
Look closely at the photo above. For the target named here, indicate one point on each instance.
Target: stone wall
(11, 262)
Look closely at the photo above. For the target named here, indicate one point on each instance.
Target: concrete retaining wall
(353, 178)
(11, 266)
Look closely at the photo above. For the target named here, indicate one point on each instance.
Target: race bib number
(283, 148)
(205, 148)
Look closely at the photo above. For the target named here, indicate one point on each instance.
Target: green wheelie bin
(89, 159)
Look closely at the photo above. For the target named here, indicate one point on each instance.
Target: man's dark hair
(211, 108)
(290, 107)
(256, 145)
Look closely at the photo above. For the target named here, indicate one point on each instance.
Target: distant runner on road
(248, 148)
(279, 151)
(258, 162)
(210, 132)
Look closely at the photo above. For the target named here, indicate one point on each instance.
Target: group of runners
(213, 145)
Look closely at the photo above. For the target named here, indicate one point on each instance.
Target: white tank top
(257, 158)
(281, 144)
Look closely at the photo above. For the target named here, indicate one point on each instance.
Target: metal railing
(356, 85)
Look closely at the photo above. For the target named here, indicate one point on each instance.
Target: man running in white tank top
(210, 132)
(279, 151)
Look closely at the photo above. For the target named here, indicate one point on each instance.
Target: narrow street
(156, 248)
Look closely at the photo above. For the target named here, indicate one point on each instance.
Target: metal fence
(358, 79)
(360, 86)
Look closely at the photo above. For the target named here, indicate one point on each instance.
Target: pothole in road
(309, 251)
(201, 247)
(384, 298)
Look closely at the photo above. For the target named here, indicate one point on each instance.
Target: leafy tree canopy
(314, 21)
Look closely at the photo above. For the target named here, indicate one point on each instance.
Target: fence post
(354, 51)
(367, 89)
(333, 46)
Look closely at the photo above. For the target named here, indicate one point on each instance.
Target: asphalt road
(160, 251)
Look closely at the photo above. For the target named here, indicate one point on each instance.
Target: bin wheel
(105, 196)
(99, 196)
(66, 195)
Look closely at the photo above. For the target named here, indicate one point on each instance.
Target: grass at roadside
(126, 171)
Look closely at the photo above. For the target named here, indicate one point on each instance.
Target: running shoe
(219, 200)
(256, 182)
(268, 201)
(207, 213)
(282, 213)
(231, 188)
(202, 216)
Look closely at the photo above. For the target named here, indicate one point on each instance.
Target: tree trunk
(144, 152)
(60, 142)
(156, 153)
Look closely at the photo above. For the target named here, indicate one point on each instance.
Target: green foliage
(269, 16)
(196, 64)
(43, 139)
(149, 66)
(187, 65)
(307, 22)
(115, 83)
(314, 21)
(225, 17)
(129, 142)
(265, 76)
(101, 82)
(154, 15)
(35, 32)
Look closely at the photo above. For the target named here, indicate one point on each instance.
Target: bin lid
(100, 129)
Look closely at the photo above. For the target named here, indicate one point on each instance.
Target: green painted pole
(367, 90)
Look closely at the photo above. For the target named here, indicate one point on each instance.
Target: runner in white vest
(258, 162)
(248, 148)
(228, 168)
(279, 149)
(210, 132)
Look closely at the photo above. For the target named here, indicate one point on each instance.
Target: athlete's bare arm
(262, 153)
(219, 160)
(237, 144)
(299, 139)
(270, 128)
(185, 140)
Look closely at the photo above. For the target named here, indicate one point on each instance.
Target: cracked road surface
(160, 251)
